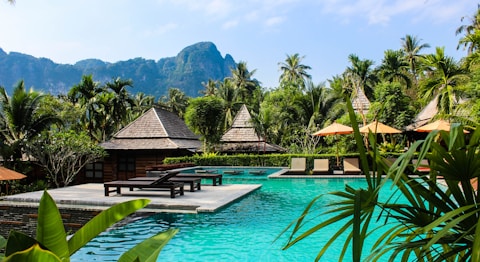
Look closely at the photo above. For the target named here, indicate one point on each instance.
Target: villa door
(126, 166)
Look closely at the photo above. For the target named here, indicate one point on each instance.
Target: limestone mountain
(193, 65)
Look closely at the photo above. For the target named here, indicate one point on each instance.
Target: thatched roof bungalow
(243, 138)
(146, 141)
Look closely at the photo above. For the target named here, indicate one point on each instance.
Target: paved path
(91, 197)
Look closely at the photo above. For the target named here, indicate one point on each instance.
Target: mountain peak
(193, 65)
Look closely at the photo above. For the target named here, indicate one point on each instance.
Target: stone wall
(24, 219)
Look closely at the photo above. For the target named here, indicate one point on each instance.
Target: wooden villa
(243, 138)
(147, 141)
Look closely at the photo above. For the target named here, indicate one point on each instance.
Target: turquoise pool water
(243, 231)
(236, 172)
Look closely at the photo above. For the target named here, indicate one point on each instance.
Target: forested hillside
(193, 65)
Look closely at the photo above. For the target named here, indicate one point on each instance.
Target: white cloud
(230, 24)
(160, 30)
(383, 11)
(273, 21)
(209, 7)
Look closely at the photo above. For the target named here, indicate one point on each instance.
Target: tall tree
(445, 77)
(231, 101)
(211, 87)
(361, 75)
(243, 80)
(84, 95)
(202, 117)
(412, 46)
(394, 67)
(141, 103)
(294, 72)
(470, 31)
(121, 101)
(21, 119)
(175, 102)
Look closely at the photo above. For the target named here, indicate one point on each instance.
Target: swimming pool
(236, 172)
(243, 231)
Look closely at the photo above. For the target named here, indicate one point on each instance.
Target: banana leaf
(149, 249)
(33, 254)
(102, 221)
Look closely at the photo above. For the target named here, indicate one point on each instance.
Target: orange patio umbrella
(379, 128)
(437, 125)
(8, 174)
(335, 129)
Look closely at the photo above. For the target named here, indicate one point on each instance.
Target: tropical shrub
(51, 243)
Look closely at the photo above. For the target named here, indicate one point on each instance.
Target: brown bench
(193, 182)
(216, 178)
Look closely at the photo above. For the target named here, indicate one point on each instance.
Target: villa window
(94, 170)
(126, 164)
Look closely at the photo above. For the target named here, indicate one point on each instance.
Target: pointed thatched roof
(360, 102)
(427, 113)
(242, 136)
(155, 129)
(242, 129)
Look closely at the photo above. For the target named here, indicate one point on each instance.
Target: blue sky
(259, 32)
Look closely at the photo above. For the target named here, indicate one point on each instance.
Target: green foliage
(149, 249)
(203, 116)
(21, 120)
(391, 107)
(64, 154)
(432, 223)
(270, 160)
(51, 242)
(186, 71)
(386, 147)
(33, 253)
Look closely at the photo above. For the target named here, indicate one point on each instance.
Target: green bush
(272, 160)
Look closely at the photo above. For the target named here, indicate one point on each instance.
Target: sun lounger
(257, 172)
(232, 172)
(216, 178)
(298, 166)
(202, 171)
(160, 183)
(175, 188)
(320, 166)
(351, 167)
(193, 182)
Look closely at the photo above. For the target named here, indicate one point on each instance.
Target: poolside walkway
(91, 197)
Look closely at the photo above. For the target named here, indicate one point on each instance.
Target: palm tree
(21, 119)
(361, 75)
(412, 47)
(294, 72)
(394, 67)
(470, 29)
(445, 76)
(121, 101)
(175, 102)
(211, 87)
(231, 101)
(141, 103)
(242, 80)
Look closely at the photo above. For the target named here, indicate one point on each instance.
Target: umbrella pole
(338, 158)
